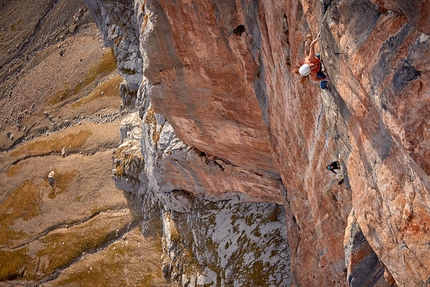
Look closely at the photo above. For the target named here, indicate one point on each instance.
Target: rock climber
(313, 66)
(334, 165)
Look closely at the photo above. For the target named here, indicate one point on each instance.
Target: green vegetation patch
(108, 88)
(53, 144)
(24, 202)
(105, 66)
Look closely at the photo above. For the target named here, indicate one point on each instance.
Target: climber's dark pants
(323, 84)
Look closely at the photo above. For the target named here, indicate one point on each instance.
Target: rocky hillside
(224, 121)
(62, 220)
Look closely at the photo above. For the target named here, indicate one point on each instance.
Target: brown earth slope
(60, 107)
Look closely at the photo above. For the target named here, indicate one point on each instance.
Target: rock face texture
(381, 78)
(222, 117)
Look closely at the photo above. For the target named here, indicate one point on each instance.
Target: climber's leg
(324, 85)
(321, 75)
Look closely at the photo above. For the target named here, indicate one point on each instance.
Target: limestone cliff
(226, 129)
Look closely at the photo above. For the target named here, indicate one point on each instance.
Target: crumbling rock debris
(72, 28)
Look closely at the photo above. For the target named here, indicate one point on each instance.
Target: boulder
(51, 178)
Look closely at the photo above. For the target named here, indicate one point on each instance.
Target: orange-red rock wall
(223, 76)
(222, 72)
(203, 72)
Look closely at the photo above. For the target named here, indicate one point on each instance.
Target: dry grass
(108, 88)
(99, 276)
(24, 202)
(53, 144)
(12, 264)
(151, 120)
(13, 170)
(118, 257)
(150, 116)
(122, 164)
(62, 181)
(63, 248)
(60, 249)
(106, 65)
(16, 25)
(145, 22)
(126, 161)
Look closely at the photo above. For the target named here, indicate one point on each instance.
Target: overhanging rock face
(224, 117)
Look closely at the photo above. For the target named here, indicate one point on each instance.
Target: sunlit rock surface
(224, 117)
